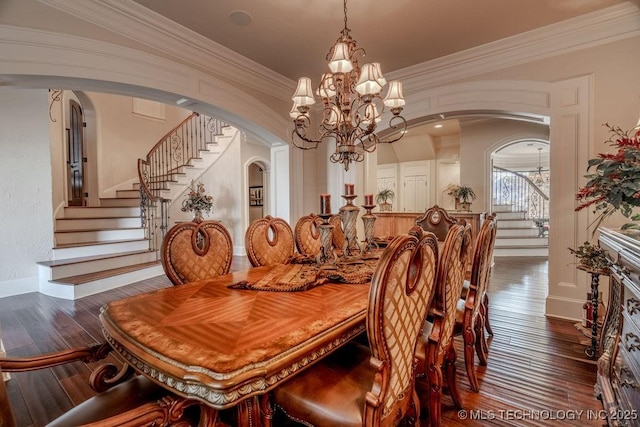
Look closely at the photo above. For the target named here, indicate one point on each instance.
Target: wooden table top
(219, 345)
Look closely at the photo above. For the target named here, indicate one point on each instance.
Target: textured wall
(25, 186)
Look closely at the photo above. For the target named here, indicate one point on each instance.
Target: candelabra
(326, 258)
(349, 214)
(369, 219)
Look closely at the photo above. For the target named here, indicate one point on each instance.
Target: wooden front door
(75, 156)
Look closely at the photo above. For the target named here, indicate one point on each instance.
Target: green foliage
(384, 195)
(592, 257)
(614, 185)
(197, 199)
(463, 193)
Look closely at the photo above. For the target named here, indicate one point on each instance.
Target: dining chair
(196, 250)
(438, 221)
(269, 241)
(338, 237)
(470, 317)
(122, 398)
(373, 385)
(435, 352)
(307, 235)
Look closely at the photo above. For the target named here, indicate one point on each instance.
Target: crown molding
(593, 29)
(131, 20)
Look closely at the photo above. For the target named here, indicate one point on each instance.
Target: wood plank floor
(537, 371)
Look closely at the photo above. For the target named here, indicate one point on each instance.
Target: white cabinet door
(415, 193)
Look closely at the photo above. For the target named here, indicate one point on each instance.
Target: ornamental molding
(220, 400)
(133, 21)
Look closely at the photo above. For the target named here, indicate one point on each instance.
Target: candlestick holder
(326, 258)
(369, 220)
(349, 214)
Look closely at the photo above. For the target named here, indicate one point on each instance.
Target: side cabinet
(618, 380)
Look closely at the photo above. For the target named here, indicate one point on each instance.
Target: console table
(618, 380)
(391, 224)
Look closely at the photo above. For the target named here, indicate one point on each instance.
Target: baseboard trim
(564, 308)
(9, 288)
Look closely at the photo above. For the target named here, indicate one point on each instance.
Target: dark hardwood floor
(538, 374)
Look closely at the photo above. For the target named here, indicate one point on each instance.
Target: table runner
(300, 277)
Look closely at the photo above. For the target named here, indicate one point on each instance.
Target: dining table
(226, 344)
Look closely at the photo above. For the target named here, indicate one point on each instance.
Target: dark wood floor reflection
(537, 373)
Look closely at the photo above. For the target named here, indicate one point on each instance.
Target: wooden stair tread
(100, 217)
(67, 261)
(95, 243)
(97, 229)
(85, 278)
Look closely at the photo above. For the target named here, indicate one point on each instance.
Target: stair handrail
(176, 149)
(526, 178)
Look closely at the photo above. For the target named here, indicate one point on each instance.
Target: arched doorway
(257, 194)
(520, 189)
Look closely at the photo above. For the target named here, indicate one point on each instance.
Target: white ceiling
(292, 37)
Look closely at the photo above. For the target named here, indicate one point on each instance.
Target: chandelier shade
(352, 105)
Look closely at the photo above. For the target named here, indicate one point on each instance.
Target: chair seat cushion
(331, 392)
(118, 399)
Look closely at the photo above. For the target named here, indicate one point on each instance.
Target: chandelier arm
(402, 126)
(303, 137)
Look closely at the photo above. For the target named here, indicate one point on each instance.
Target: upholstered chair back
(401, 291)
(307, 235)
(481, 267)
(196, 250)
(269, 241)
(453, 264)
(437, 220)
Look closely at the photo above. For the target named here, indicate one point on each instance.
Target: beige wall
(123, 137)
(26, 216)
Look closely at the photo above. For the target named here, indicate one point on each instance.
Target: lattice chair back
(437, 220)
(481, 267)
(338, 233)
(193, 251)
(451, 271)
(402, 288)
(307, 235)
(269, 241)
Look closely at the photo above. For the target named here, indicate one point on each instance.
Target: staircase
(102, 248)
(518, 236)
(99, 248)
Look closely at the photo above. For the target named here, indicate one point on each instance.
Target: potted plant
(614, 185)
(383, 198)
(463, 196)
(592, 258)
(197, 201)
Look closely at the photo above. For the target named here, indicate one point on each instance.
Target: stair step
(90, 277)
(515, 223)
(518, 232)
(68, 224)
(92, 248)
(510, 215)
(502, 208)
(101, 211)
(103, 235)
(55, 269)
(508, 242)
(127, 193)
(120, 201)
(75, 287)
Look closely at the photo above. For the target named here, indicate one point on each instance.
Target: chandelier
(351, 104)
